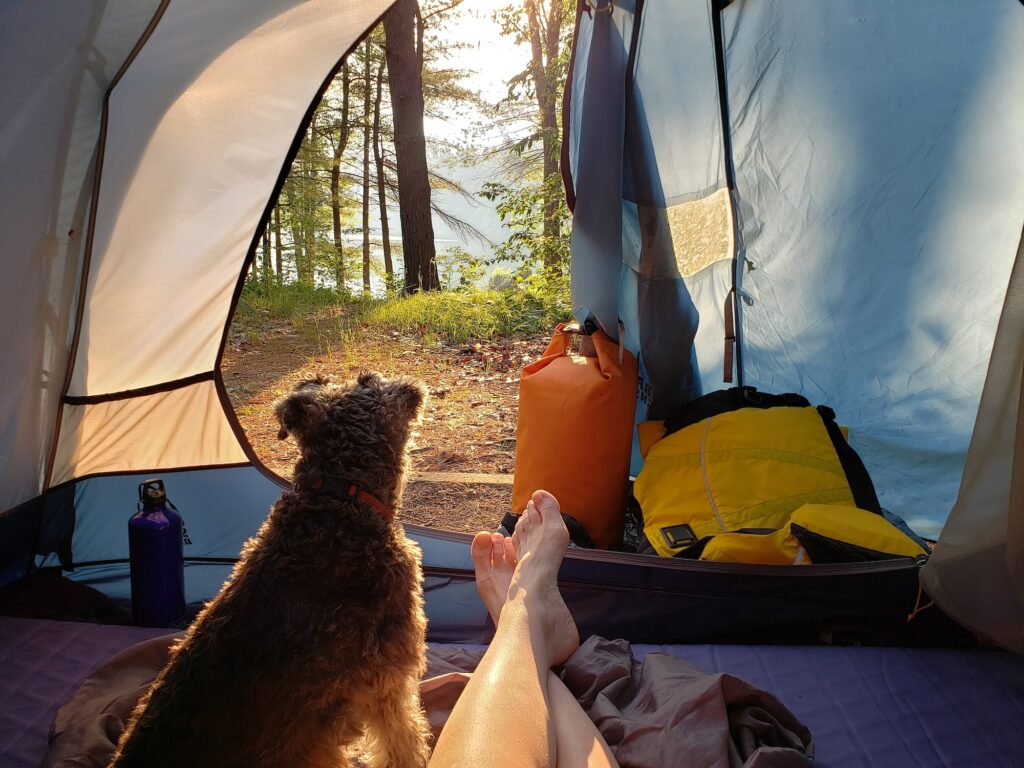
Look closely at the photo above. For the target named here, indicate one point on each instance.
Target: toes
(510, 551)
(523, 527)
(545, 503)
(528, 518)
(497, 550)
(480, 550)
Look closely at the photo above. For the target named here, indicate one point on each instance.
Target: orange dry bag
(575, 432)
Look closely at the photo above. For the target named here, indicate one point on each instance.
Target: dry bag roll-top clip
(155, 546)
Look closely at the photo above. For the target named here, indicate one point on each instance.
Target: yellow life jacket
(817, 533)
(744, 469)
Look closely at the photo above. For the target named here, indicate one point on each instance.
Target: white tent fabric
(184, 427)
(193, 152)
(977, 570)
(56, 62)
(198, 130)
(199, 127)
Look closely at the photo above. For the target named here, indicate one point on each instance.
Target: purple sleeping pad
(887, 707)
(878, 707)
(41, 665)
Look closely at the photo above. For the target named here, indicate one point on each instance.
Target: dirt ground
(469, 425)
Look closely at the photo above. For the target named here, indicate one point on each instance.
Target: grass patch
(284, 301)
(321, 316)
(477, 313)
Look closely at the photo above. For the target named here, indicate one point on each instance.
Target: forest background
(423, 231)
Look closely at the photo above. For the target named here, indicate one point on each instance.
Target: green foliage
(536, 306)
(529, 198)
(530, 297)
(458, 269)
(289, 302)
(521, 208)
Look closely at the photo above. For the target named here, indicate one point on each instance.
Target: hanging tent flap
(677, 224)
(664, 178)
(199, 128)
(596, 238)
(878, 157)
(976, 573)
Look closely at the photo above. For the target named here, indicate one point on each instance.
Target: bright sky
(492, 58)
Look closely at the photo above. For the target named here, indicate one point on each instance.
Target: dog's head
(370, 417)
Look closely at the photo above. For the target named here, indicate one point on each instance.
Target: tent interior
(868, 158)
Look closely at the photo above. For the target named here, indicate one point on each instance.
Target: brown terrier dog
(317, 639)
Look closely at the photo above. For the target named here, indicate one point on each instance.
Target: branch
(442, 9)
(461, 227)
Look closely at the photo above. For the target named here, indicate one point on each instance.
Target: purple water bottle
(157, 567)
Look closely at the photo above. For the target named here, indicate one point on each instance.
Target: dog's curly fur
(317, 639)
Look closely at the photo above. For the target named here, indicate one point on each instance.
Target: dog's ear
(314, 381)
(407, 396)
(370, 379)
(300, 411)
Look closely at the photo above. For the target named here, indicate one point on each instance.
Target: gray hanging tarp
(677, 246)
(668, 279)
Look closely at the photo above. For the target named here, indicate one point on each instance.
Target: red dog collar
(346, 490)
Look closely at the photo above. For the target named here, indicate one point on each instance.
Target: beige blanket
(654, 713)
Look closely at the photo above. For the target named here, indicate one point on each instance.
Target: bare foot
(494, 557)
(540, 540)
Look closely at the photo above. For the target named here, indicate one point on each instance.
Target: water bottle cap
(151, 492)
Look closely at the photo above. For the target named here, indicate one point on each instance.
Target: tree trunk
(405, 62)
(306, 268)
(339, 150)
(367, 95)
(544, 43)
(267, 270)
(378, 156)
(277, 243)
(298, 238)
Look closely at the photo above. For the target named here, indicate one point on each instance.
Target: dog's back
(317, 613)
(319, 633)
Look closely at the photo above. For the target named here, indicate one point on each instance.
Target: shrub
(476, 313)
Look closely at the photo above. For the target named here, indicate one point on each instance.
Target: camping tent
(865, 155)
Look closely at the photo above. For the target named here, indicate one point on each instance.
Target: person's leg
(516, 712)
(580, 744)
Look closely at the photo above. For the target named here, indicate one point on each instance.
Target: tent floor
(895, 707)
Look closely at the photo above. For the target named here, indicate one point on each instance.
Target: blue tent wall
(878, 207)
(639, 598)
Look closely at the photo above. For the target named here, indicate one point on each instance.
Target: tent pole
(730, 178)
